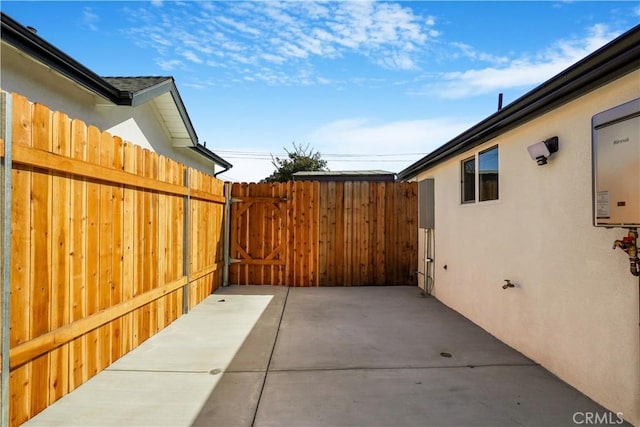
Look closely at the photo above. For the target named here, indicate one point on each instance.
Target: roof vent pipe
(499, 101)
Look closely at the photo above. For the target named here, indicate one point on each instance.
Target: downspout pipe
(223, 170)
(213, 157)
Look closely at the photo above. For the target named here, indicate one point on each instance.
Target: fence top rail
(29, 156)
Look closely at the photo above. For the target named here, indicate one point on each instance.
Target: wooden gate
(258, 230)
(324, 234)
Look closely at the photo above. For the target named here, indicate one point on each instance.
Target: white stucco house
(147, 111)
(492, 211)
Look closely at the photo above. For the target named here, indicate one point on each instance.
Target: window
(486, 176)
(469, 180)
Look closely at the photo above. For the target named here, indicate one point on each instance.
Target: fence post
(227, 233)
(186, 245)
(5, 251)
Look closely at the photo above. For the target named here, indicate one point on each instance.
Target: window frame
(478, 196)
(463, 181)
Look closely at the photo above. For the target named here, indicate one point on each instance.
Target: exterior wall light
(541, 151)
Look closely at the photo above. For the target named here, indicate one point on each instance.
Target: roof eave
(25, 40)
(617, 58)
(144, 95)
(204, 151)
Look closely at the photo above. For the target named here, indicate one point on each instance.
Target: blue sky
(370, 85)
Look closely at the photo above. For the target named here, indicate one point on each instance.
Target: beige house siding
(575, 307)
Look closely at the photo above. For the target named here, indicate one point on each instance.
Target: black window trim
(462, 180)
(476, 177)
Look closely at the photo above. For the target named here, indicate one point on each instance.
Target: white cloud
(273, 58)
(240, 26)
(388, 146)
(90, 19)
(400, 61)
(467, 51)
(191, 56)
(517, 72)
(286, 33)
(351, 135)
(168, 65)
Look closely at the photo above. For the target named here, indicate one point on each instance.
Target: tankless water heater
(616, 166)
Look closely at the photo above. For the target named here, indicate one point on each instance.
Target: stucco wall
(139, 125)
(575, 308)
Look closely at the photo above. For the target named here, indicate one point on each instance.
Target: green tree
(298, 160)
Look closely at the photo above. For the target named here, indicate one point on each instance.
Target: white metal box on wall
(616, 166)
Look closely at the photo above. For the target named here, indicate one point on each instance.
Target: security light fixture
(542, 150)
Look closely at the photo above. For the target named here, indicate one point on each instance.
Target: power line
(388, 158)
(267, 155)
(363, 160)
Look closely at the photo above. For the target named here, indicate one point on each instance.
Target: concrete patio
(347, 356)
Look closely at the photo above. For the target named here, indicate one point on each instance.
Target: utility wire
(268, 155)
(362, 160)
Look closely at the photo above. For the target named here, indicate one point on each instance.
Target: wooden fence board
(19, 380)
(117, 258)
(128, 246)
(348, 244)
(105, 247)
(281, 233)
(92, 258)
(139, 252)
(357, 233)
(304, 244)
(78, 228)
(323, 239)
(164, 230)
(314, 215)
(193, 230)
(154, 231)
(202, 253)
(304, 228)
(380, 247)
(254, 230)
(147, 231)
(40, 258)
(60, 260)
(391, 234)
(199, 242)
(175, 242)
(340, 235)
(180, 219)
(373, 221)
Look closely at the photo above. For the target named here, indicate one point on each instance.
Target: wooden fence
(109, 244)
(324, 233)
